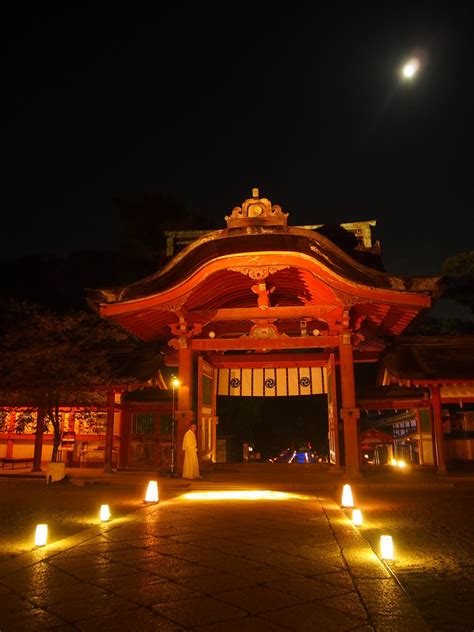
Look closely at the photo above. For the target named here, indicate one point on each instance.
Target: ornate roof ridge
(256, 211)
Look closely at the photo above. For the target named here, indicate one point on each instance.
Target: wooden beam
(386, 404)
(264, 360)
(254, 313)
(230, 344)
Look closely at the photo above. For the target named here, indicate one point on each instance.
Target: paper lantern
(386, 547)
(356, 517)
(41, 535)
(104, 513)
(347, 500)
(152, 492)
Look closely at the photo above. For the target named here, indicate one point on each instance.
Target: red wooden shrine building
(264, 309)
(261, 308)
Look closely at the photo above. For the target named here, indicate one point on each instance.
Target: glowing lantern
(401, 464)
(104, 513)
(347, 500)
(152, 492)
(41, 535)
(386, 547)
(356, 517)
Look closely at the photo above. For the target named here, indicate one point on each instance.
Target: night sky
(205, 103)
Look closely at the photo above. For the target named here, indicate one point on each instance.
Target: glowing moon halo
(410, 68)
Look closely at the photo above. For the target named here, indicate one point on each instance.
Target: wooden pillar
(109, 432)
(38, 440)
(9, 453)
(125, 431)
(11, 434)
(349, 413)
(183, 412)
(214, 422)
(438, 429)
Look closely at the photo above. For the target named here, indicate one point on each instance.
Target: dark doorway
(273, 424)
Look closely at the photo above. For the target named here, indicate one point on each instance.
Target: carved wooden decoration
(266, 330)
(258, 273)
(174, 306)
(257, 211)
(263, 294)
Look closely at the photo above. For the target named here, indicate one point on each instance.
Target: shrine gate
(263, 308)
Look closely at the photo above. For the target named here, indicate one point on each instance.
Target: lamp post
(174, 383)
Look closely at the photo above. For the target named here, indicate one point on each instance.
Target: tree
(458, 278)
(457, 286)
(58, 282)
(144, 222)
(49, 360)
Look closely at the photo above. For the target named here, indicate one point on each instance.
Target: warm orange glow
(41, 535)
(104, 513)
(175, 382)
(398, 463)
(347, 500)
(152, 492)
(386, 547)
(243, 494)
(356, 517)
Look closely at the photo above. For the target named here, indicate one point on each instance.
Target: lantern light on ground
(151, 495)
(347, 500)
(356, 517)
(386, 547)
(41, 535)
(398, 463)
(104, 513)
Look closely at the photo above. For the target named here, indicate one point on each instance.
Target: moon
(410, 68)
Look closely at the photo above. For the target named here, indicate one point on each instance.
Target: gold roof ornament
(257, 211)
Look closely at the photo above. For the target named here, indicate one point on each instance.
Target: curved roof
(218, 280)
(231, 243)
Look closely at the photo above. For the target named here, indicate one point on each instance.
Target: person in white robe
(191, 463)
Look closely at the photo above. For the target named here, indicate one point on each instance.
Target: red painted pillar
(109, 432)
(183, 412)
(349, 413)
(11, 435)
(125, 430)
(438, 429)
(38, 440)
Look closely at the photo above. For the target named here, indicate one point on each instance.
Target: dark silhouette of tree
(59, 282)
(457, 284)
(458, 278)
(49, 360)
(143, 224)
(426, 325)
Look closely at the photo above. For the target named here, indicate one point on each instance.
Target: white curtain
(272, 382)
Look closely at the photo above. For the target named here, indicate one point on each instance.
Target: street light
(174, 384)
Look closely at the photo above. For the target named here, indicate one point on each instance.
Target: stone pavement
(218, 554)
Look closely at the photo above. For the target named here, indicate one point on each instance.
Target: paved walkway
(238, 559)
